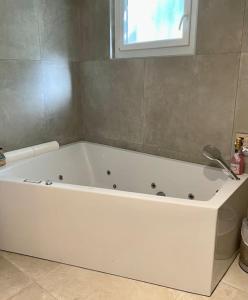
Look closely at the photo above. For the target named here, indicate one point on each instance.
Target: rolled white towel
(29, 152)
(44, 148)
(19, 154)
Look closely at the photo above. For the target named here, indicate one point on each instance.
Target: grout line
(144, 106)
(143, 112)
(14, 264)
(235, 104)
(101, 60)
(27, 60)
(29, 286)
(25, 286)
(45, 290)
(18, 293)
(243, 26)
(37, 18)
(19, 60)
(23, 271)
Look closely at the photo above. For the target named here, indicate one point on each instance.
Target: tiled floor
(26, 278)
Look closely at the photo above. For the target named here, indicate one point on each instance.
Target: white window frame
(184, 46)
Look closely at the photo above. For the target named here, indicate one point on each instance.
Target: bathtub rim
(136, 152)
(228, 188)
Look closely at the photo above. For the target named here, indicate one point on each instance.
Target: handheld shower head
(214, 154)
(211, 152)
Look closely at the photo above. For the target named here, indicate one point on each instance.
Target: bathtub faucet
(213, 154)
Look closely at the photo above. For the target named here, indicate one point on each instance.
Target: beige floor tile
(223, 292)
(236, 277)
(69, 283)
(33, 267)
(57, 281)
(12, 280)
(33, 292)
(226, 292)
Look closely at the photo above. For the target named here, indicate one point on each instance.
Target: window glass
(148, 28)
(152, 20)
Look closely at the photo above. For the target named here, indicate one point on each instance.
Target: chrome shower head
(213, 154)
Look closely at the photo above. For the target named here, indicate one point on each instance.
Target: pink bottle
(238, 161)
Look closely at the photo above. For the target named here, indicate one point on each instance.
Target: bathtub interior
(88, 164)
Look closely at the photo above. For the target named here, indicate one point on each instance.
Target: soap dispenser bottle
(2, 158)
(238, 161)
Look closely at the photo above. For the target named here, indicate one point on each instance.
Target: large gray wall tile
(113, 100)
(95, 29)
(22, 117)
(19, 35)
(189, 100)
(190, 103)
(220, 25)
(59, 29)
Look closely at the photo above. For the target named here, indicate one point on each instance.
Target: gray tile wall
(39, 72)
(169, 106)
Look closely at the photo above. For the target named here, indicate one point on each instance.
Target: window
(155, 27)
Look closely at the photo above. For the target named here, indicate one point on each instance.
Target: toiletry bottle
(2, 158)
(238, 161)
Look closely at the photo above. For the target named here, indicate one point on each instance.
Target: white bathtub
(81, 220)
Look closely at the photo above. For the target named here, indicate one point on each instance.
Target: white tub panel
(230, 216)
(154, 241)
